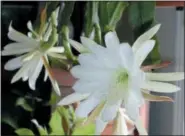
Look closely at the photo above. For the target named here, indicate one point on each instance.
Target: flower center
(121, 77)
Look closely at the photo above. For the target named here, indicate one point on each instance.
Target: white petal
(140, 127)
(86, 107)
(34, 121)
(21, 72)
(19, 45)
(111, 40)
(78, 46)
(110, 111)
(126, 56)
(19, 37)
(143, 51)
(165, 76)
(47, 33)
(100, 126)
(144, 37)
(29, 25)
(160, 87)
(55, 86)
(82, 86)
(89, 60)
(14, 63)
(132, 106)
(35, 74)
(57, 49)
(72, 98)
(121, 126)
(89, 74)
(91, 45)
(15, 51)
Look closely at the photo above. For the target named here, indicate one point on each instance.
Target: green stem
(65, 43)
(97, 37)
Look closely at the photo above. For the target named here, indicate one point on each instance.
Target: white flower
(112, 74)
(31, 54)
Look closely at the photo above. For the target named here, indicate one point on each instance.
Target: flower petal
(155, 66)
(132, 106)
(100, 126)
(120, 127)
(19, 37)
(15, 51)
(72, 98)
(16, 45)
(95, 113)
(143, 51)
(78, 46)
(110, 111)
(165, 76)
(14, 63)
(144, 37)
(127, 56)
(140, 127)
(160, 87)
(111, 40)
(151, 97)
(57, 49)
(86, 107)
(35, 74)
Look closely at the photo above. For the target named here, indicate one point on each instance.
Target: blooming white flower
(112, 74)
(31, 54)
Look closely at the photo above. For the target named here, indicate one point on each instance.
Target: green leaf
(110, 13)
(23, 103)
(141, 13)
(55, 123)
(8, 119)
(24, 132)
(66, 10)
(88, 21)
(85, 130)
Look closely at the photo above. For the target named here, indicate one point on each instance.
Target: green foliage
(23, 103)
(110, 13)
(85, 130)
(24, 132)
(141, 18)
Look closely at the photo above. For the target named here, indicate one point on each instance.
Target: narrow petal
(15, 51)
(21, 72)
(86, 107)
(126, 56)
(95, 113)
(57, 49)
(46, 72)
(144, 37)
(95, 74)
(100, 126)
(143, 51)
(55, 86)
(156, 98)
(16, 45)
(72, 98)
(140, 127)
(132, 106)
(92, 46)
(19, 37)
(111, 40)
(14, 63)
(78, 46)
(29, 25)
(110, 111)
(160, 87)
(165, 76)
(35, 74)
(120, 127)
